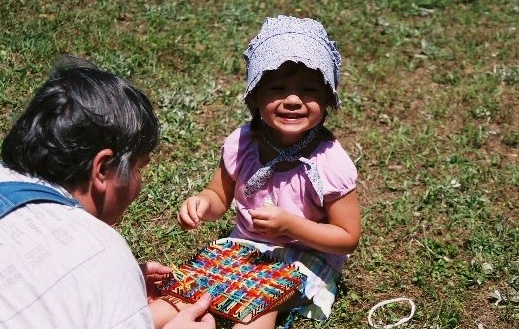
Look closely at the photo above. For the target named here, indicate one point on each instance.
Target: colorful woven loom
(243, 282)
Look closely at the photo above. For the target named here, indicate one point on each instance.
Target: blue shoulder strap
(17, 194)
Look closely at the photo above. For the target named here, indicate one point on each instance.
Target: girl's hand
(191, 212)
(271, 221)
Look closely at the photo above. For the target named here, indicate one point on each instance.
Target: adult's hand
(194, 316)
(153, 273)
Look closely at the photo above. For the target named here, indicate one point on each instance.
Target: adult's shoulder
(67, 249)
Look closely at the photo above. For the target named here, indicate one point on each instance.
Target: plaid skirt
(321, 284)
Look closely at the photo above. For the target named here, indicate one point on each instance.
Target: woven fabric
(287, 38)
(244, 283)
(321, 280)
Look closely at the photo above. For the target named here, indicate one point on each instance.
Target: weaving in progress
(242, 281)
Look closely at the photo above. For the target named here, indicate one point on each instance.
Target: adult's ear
(101, 170)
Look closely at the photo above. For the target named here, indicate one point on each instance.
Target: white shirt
(60, 267)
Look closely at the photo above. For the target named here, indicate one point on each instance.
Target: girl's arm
(339, 236)
(211, 203)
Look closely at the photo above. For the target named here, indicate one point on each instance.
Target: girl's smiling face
(291, 100)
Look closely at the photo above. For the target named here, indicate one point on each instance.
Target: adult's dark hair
(76, 113)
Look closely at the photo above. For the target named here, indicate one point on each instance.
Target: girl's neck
(282, 141)
(269, 147)
(277, 139)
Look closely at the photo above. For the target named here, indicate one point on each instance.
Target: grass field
(431, 116)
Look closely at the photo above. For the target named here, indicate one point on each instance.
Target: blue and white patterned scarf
(289, 154)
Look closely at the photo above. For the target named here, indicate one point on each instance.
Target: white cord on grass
(389, 301)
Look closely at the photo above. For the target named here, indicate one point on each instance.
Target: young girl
(293, 183)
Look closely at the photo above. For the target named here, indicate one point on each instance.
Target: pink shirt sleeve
(337, 170)
(236, 149)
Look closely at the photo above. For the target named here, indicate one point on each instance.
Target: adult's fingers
(153, 268)
(189, 318)
(200, 307)
(208, 321)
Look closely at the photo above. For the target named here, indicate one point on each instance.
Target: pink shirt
(290, 190)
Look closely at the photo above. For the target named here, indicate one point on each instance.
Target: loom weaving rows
(242, 281)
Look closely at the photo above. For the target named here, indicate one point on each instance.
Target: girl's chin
(288, 122)
(287, 136)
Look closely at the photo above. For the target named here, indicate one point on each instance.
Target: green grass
(431, 113)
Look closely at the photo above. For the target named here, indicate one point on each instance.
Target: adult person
(78, 149)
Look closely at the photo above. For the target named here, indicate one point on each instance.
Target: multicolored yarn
(244, 283)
